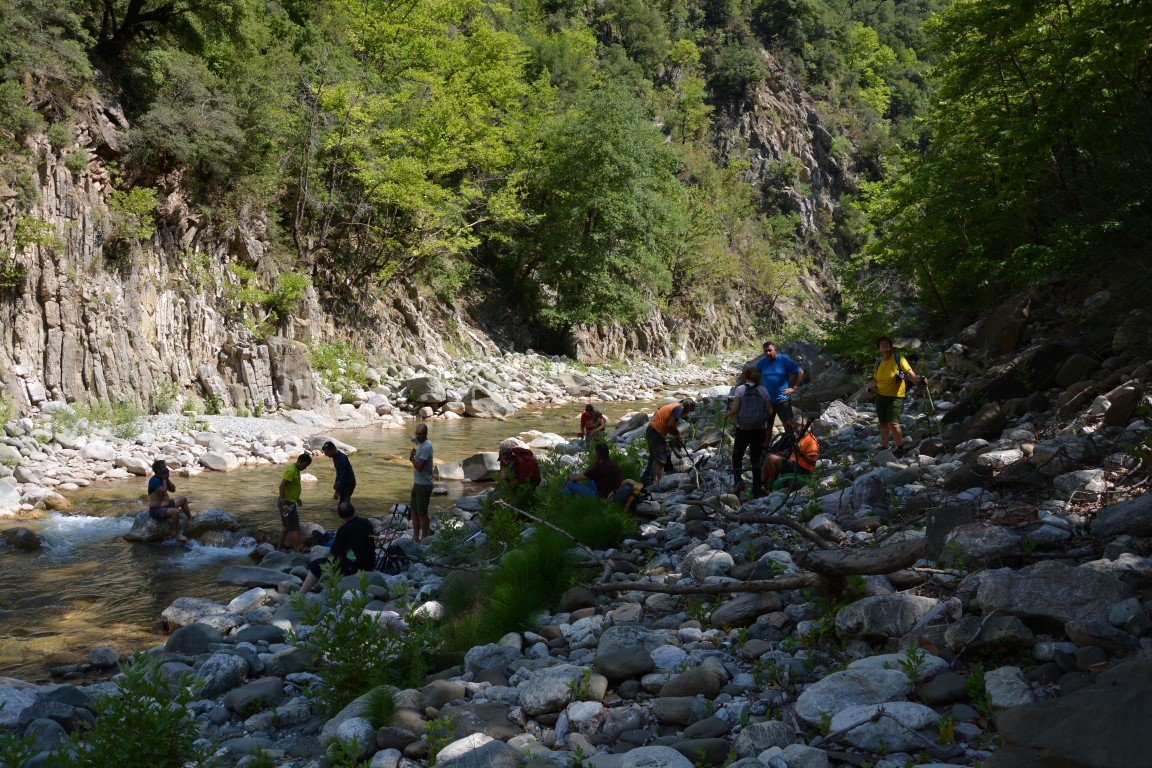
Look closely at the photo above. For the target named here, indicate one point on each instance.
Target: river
(88, 587)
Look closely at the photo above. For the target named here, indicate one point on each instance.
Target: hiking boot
(898, 451)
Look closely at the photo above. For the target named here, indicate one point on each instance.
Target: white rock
(220, 461)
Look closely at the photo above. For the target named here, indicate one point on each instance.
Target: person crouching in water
(289, 501)
(798, 459)
(353, 550)
(161, 506)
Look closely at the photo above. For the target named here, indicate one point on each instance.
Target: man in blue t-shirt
(779, 374)
(161, 506)
(345, 478)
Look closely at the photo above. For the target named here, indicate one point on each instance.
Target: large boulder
(220, 461)
(757, 737)
(291, 371)
(193, 639)
(849, 688)
(743, 610)
(481, 466)
(838, 414)
(1105, 725)
(1064, 454)
(189, 610)
(643, 757)
(145, 529)
(987, 423)
(1051, 592)
(1003, 328)
(1122, 403)
(428, 390)
(478, 751)
(22, 538)
(549, 690)
(483, 404)
(254, 696)
(882, 616)
(898, 730)
(210, 520)
(1132, 517)
(220, 673)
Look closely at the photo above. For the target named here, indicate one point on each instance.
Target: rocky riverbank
(56, 448)
(982, 600)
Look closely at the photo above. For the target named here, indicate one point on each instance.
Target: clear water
(89, 587)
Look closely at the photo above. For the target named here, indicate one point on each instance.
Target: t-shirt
(662, 420)
(807, 451)
(775, 375)
(155, 483)
(344, 474)
(423, 476)
(292, 484)
(886, 382)
(607, 477)
(354, 549)
(590, 421)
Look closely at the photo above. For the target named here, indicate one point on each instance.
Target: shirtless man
(161, 506)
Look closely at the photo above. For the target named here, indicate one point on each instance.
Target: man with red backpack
(519, 466)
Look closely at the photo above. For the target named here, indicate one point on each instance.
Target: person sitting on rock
(353, 550)
(592, 422)
(665, 422)
(289, 501)
(161, 506)
(601, 480)
(798, 459)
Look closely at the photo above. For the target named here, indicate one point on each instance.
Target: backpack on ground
(753, 413)
(525, 468)
(628, 494)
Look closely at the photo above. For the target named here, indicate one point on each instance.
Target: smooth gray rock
(220, 673)
(492, 656)
(743, 610)
(757, 737)
(621, 665)
(254, 696)
(549, 690)
(896, 731)
(697, 681)
(849, 688)
(1132, 517)
(1049, 591)
(254, 576)
(642, 757)
(882, 616)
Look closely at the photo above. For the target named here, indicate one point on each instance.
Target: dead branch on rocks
(862, 561)
(801, 529)
(796, 581)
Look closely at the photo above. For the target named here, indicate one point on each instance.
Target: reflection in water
(89, 587)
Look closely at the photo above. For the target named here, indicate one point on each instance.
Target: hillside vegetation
(563, 150)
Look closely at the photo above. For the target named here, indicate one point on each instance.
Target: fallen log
(787, 522)
(862, 561)
(797, 581)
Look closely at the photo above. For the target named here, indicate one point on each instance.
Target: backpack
(525, 468)
(629, 492)
(753, 412)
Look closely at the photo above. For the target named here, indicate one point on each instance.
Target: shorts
(421, 498)
(783, 410)
(289, 516)
(789, 467)
(657, 447)
(889, 409)
(160, 514)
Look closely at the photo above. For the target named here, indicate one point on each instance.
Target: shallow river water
(89, 587)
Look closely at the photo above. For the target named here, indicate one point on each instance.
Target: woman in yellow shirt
(890, 386)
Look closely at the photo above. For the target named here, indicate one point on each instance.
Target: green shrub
(30, 230)
(76, 160)
(12, 272)
(147, 722)
(84, 417)
(163, 397)
(353, 652)
(130, 214)
(60, 135)
(337, 361)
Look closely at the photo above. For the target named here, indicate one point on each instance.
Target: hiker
(889, 386)
(289, 502)
(345, 478)
(518, 466)
(353, 549)
(601, 480)
(799, 458)
(421, 498)
(779, 374)
(161, 506)
(751, 408)
(664, 422)
(592, 422)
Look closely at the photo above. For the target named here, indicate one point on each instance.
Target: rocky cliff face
(84, 321)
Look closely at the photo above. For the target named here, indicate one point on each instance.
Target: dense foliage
(561, 150)
(1039, 154)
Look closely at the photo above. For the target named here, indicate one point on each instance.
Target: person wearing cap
(421, 497)
(289, 502)
(591, 422)
(664, 422)
(353, 550)
(161, 506)
(345, 478)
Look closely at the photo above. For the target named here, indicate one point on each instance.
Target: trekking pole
(932, 409)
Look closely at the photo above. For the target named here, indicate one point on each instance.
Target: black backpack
(753, 413)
